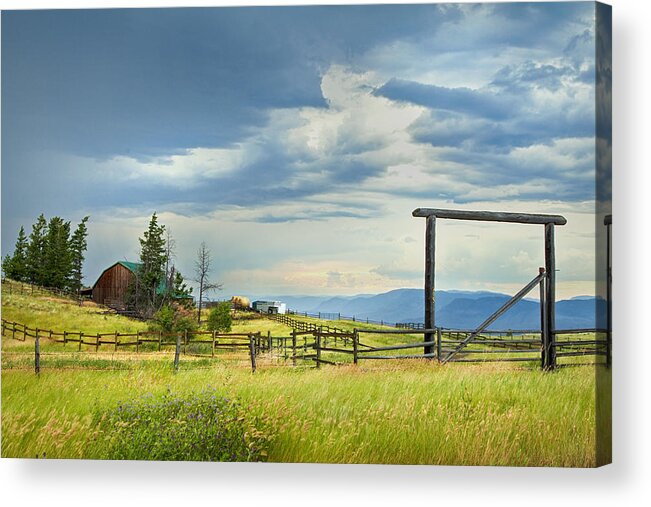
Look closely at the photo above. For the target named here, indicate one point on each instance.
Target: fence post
(97, 343)
(37, 354)
(252, 351)
(294, 347)
(269, 340)
(177, 352)
(80, 340)
(439, 336)
(160, 340)
(116, 340)
(13, 331)
(65, 338)
(355, 345)
(213, 343)
(317, 344)
(137, 341)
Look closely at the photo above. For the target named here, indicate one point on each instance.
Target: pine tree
(15, 267)
(6, 266)
(144, 293)
(57, 255)
(35, 261)
(78, 246)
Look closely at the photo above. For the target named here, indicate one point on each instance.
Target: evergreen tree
(6, 266)
(219, 318)
(58, 258)
(144, 293)
(15, 267)
(180, 289)
(78, 246)
(35, 261)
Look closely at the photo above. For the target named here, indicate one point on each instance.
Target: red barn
(111, 287)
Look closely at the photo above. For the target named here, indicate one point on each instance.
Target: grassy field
(399, 412)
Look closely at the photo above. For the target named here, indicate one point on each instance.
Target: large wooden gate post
(430, 271)
(549, 327)
(608, 222)
(549, 337)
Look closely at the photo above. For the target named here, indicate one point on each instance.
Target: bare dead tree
(170, 254)
(202, 267)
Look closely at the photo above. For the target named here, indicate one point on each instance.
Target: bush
(164, 319)
(219, 318)
(173, 318)
(196, 427)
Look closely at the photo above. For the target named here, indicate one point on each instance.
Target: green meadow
(398, 412)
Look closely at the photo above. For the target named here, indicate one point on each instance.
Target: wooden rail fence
(29, 289)
(327, 345)
(251, 342)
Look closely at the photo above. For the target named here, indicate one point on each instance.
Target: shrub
(173, 318)
(219, 318)
(196, 427)
(164, 319)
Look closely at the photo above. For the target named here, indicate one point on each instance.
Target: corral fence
(30, 289)
(325, 344)
(445, 345)
(352, 318)
(185, 343)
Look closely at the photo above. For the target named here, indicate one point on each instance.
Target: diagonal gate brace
(523, 292)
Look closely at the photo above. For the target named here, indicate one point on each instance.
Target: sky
(296, 141)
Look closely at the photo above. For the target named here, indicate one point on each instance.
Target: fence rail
(253, 342)
(353, 318)
(30, 289)
(324, 344)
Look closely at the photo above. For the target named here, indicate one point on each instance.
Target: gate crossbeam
(498, 313)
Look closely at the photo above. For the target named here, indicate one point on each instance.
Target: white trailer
(270, 307)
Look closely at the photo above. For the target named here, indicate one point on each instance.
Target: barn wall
(112, 285)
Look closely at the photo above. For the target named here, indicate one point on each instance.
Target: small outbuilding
(273, 307)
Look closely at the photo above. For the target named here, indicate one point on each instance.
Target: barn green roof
(133, 267)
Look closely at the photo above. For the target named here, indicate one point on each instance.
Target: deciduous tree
(202, 268)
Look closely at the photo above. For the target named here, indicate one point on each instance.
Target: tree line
(52, 256)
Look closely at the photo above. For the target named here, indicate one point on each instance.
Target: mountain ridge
(456, 309)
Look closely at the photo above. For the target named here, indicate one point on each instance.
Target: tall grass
(408, 413)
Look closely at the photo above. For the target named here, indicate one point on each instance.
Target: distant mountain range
(454, 309)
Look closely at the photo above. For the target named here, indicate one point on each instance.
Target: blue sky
(296, 141)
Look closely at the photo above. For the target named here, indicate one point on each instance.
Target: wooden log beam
(401, 347)
(549, 353)
(420, 356)
(500, 311)
(430, 272)
(490, 216)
